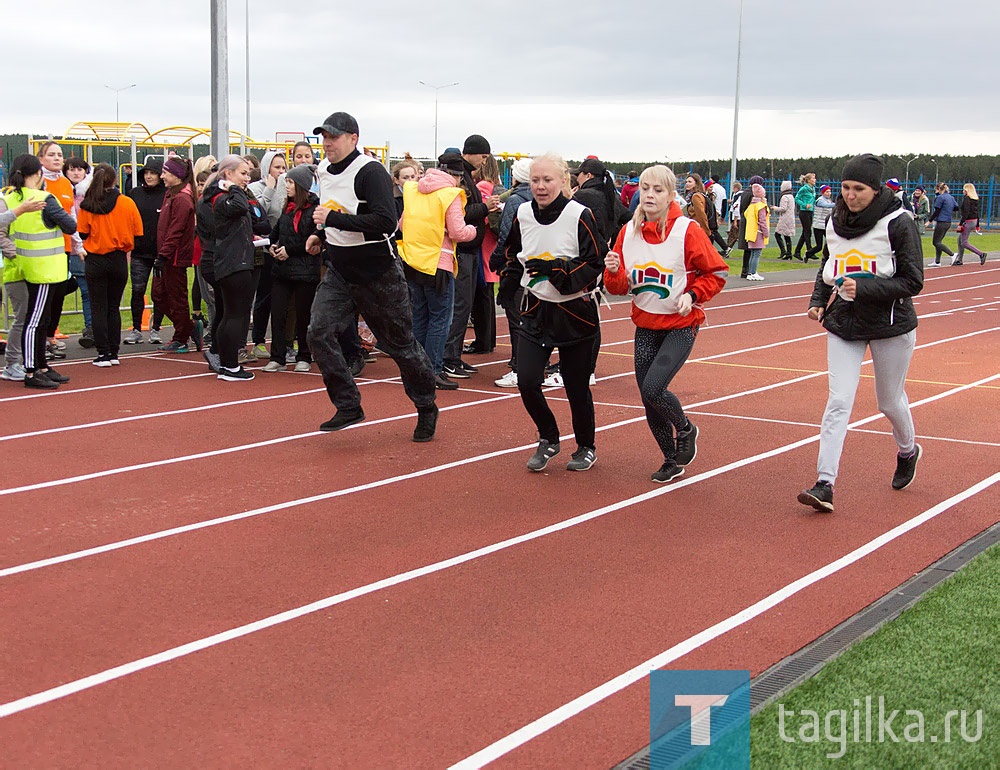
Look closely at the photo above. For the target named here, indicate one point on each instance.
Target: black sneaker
(198, 334)
(545, 452)
(357, 365)
(468, 367)
(53, 375)
(343, 418)
(669, 470)
(427, 417)
(39, 381)
(687, 445)
(982, 258)
(906, 469)
(443, 383)
(456, 371)
(240, 375)
(819, 497)
(87, 338)
(583, 459)
(103, 361)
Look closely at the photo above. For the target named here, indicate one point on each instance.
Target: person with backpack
(699, 207)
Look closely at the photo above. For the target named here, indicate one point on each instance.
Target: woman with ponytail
(40, 261)
(175, 253)
(109, 223)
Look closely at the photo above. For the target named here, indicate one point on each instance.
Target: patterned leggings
(659, 355)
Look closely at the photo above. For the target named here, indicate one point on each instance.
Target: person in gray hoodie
(270, 194)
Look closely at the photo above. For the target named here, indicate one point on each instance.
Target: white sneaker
(274, 366)
(13, 372)
(154, 337)
(134, 337)
(554, 380)
(593, 379)
(302, 366)
(758, 277)
(509, 380)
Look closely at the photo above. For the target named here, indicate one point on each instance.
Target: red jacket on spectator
(175, 230)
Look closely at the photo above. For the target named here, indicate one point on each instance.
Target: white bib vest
(868, 254)
(657, 275)
(548, 242)
(336, 192)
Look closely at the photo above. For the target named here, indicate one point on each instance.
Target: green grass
(940, 655)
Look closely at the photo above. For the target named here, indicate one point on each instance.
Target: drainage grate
(799, 666)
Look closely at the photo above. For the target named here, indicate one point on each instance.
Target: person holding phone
(863, 295)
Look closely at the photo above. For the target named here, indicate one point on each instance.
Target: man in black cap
(357, 216)
(474, 153)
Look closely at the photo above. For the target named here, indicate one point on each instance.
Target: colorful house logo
(853, 261)
(334, 206)
(538, 278)
(652, 277)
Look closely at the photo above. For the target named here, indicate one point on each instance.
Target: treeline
(977, 168)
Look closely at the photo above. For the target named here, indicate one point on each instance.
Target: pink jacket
(489, 239)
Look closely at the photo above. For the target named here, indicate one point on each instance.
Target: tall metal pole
(247, 129)
(220, 79)
(117, 119)
(907, 188)
(736, 108)
(436, 89)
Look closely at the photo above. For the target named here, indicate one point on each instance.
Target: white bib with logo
(548, 242)
(868, 254)
(336, 192)
(657, 274)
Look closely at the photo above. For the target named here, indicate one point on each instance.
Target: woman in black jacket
(295, 273)
(872, 269)
(968, 220)
(227, 219)
(556, 255)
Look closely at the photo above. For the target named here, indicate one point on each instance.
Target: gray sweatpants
(890, 361)
(385, 305)
(17, 292)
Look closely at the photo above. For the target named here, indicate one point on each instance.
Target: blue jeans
(76, 269)
(432, 316)
(754, 260)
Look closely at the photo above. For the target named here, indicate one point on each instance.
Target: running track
(192, 575)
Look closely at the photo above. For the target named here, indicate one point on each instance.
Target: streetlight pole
(934, 161)
(736, 107)
(118, 91)
(907, 188)
(436, 89)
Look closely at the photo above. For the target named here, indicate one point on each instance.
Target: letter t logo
(701, 715)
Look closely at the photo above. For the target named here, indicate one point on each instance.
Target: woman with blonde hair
(669, 266)
(555, 254)
(204, 163)
(968, 220)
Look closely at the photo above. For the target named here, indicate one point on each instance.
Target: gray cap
(338, 123)
(303, 176)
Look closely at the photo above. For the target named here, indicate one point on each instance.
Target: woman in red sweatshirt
(175, 252)
(670, 267)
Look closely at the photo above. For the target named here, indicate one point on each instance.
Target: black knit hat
(866, 168)
(476, 145)
(452, 163)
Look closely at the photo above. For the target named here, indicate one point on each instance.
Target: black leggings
(574, 364)
(659, 355)
(806, 220)
(233, 297)
(940, 231)
(820, 236)
(296, 297)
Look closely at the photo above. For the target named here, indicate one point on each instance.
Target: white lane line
(70, 391)
(556, 717)
(132, 667)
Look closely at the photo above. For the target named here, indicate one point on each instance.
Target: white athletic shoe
(509, 380)
(15, 373)
(302, 366)
(274, 366)
(554, 380)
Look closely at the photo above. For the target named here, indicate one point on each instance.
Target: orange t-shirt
(115, 231)
(62, 190)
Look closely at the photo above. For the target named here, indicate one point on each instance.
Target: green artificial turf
(943, 654)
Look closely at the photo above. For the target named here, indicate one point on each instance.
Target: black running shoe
(583, 459)
(687, 445)
(819, 497)
(343, 418)
(427, 417)
(456, 371)
(53, 375)
(546, 451)
(443, 383)
(240, 375)
(906, 469)
(669, 470)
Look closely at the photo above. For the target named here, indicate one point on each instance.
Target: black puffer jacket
(968, 209)
(882, 307)
(225, 217)
(292, 231)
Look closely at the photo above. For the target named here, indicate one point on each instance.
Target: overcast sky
(641, 80)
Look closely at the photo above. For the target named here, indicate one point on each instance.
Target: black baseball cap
(338, 123)
(591, 166)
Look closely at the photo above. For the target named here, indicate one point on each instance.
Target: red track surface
(432, 668)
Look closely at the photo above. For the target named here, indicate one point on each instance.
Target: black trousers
(57, 296)
(940, 231)
(465, 290)
(806, 220)
(262, 300)
(140, 268)
(574, 364)
(513, 312)
(484, 318)
(297, 295)
(36, 321)
(106, 275)
(233, 297)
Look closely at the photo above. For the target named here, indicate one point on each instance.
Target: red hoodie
(706, 273)
(175, 230)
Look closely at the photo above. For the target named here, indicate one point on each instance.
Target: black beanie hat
(452, 163)
(476, 145)
(866, 168)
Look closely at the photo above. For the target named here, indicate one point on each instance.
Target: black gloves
(539, 266)
(158, 264)
(507, 290)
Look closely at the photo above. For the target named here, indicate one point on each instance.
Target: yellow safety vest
(40, 250)
(424, 227)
